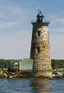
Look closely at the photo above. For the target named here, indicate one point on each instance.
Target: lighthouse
(40, 47)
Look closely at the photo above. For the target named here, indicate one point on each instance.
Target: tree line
(56, 63)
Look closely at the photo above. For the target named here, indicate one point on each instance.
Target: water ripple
(37, 85)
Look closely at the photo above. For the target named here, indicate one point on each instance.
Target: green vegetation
(57, 63)
(4, 63)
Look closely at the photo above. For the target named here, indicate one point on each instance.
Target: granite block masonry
(40, 48)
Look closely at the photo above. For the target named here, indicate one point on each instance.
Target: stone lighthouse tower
(40, 47)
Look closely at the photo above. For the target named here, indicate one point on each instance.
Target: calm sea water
(31, 86)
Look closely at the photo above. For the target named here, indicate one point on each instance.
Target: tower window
(38, 33)
(38, 49)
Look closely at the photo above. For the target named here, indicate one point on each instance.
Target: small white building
(26, 64)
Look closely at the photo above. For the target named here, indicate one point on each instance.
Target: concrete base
(47, 74)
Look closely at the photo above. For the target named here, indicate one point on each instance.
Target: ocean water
(31, 85)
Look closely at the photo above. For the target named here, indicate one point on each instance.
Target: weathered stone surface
(6, 74)
(43, 74)
(42, 60)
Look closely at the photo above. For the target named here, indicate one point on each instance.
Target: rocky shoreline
(16, 74)
(4, 73)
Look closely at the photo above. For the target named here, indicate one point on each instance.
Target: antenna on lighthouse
(38, 11)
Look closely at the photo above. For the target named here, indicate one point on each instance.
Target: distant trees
(4, 63)
(57, 63)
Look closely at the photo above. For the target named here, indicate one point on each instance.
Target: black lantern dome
(40, 16)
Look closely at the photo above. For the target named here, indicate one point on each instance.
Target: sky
(16, 28)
